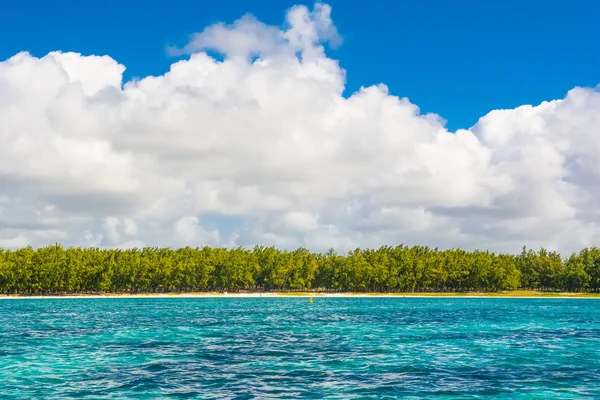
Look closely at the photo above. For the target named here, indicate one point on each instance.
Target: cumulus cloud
(188, 231)
(261, 147)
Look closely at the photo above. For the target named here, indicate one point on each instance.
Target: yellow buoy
(310, 299)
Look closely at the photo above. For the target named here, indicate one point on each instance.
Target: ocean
(288, 348)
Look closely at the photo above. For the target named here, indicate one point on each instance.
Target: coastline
(517, 294)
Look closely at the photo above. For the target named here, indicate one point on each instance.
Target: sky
(451, 124)
(483, 55)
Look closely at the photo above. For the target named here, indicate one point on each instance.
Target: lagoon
(244, 348)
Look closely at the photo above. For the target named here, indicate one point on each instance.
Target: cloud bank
(260, 147)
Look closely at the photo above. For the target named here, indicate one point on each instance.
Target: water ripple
(290, 349)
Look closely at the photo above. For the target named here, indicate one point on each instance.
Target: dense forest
(55, 270)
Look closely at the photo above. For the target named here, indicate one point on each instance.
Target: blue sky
(459, 59)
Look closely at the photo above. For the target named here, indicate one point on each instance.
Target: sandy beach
(518, 294)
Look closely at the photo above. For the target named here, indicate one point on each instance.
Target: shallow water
(247, 348)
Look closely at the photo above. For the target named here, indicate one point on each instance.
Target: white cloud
(266, 139)
(111, 227)
(187, 231)
(130, 227)
(14, 242)
(301, 221)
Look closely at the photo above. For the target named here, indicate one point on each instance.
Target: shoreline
(451, 295)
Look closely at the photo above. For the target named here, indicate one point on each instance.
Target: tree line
(57, 270)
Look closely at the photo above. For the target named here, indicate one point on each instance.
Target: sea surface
(284, 348)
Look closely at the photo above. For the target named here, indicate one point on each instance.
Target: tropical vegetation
(58, 270)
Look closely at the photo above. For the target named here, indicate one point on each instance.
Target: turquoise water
(244, 348)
